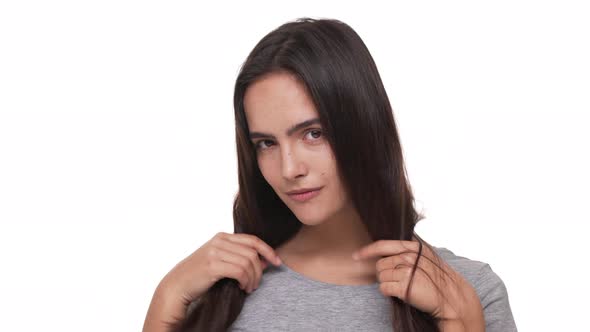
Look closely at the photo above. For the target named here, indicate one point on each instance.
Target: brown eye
(257, 145)
(316, 134)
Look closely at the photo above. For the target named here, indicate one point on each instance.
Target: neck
(337, 237)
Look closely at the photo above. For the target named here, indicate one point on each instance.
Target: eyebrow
(290, 131)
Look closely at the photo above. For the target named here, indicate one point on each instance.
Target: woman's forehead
(277, 100)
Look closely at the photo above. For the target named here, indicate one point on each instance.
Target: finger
(392, 262)
(224, 269)
(242, 262)
(264, 249)
(247, 252)
(393, 288)
(386, 248)
(400, 274)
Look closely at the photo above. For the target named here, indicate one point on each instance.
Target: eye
(257, 144)
(316, 133)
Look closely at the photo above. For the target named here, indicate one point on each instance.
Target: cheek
(268, 172)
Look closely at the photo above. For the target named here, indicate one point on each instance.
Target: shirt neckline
(306, 279)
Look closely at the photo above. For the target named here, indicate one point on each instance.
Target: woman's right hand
(228, 255)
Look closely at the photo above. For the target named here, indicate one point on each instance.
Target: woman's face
(293, 157)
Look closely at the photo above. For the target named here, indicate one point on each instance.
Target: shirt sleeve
(493, 295)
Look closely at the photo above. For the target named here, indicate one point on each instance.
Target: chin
(310, 217)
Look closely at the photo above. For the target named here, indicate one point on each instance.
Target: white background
(117, 147)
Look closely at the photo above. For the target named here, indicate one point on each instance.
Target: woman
(312, 116)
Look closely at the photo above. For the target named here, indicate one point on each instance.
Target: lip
(303, 190)
(305, 195)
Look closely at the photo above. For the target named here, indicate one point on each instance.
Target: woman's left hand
(441, 292)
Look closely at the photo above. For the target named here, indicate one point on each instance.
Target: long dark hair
(329, 58)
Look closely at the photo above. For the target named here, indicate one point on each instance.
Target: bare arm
(165, 310)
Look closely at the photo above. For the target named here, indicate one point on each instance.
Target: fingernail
(278, 260)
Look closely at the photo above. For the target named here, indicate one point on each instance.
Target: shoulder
(490, 288)
(479, 274)
(470, 269)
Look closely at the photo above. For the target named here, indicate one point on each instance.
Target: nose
(292, 165)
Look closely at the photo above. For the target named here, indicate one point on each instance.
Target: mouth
(305, 196)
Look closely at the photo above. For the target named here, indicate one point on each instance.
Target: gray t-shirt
(288, 301)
